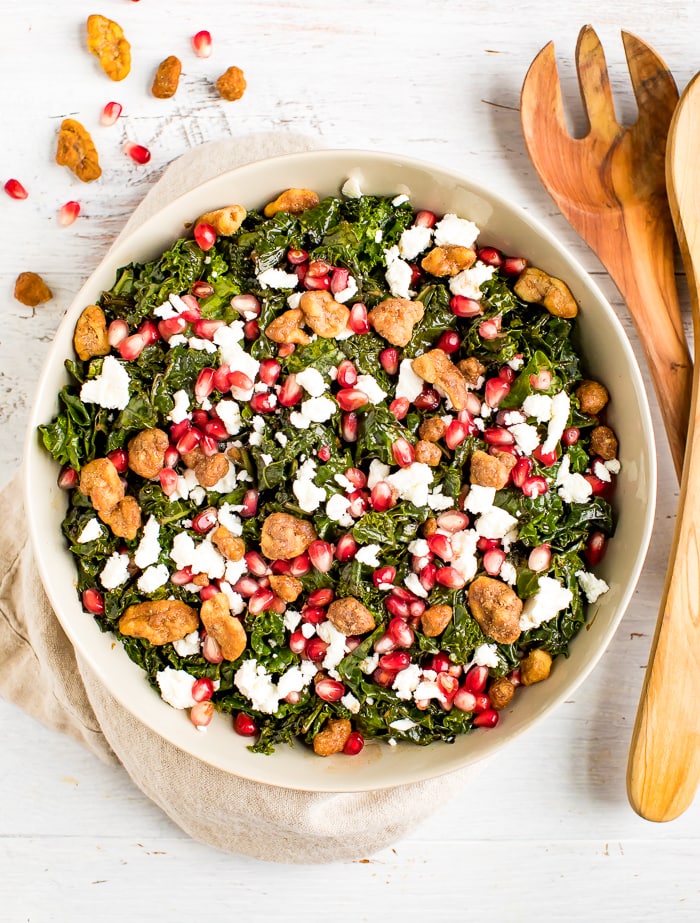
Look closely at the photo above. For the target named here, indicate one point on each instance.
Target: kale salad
(334, 469)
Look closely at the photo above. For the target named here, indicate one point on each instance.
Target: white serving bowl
(608, 357)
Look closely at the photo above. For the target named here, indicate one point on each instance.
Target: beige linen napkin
(41, 673)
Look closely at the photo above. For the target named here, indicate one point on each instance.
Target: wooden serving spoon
(610, 186)
(664, 765)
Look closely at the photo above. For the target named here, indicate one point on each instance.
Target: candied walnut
(488, 471)
(90, 337)
(333, 737)
(159, 621)
(505, 458)
(350, 616)
(287, 588)
(225, 221)
(234, 453)
(448, 261)
(603, 442)
(429, 527)
(30, 289)
(535, 667)
(432, 429)
(224, 627)
(294, 201)
(284, 536)
(100, 481)
(437, 369)
(428, 453)
(231, 84)
(201, 580)
(75, 150)
(395, 318)
(537, 287)
(287, 328)
(231, 546)
(124, 519)
(209, 469)
(592, 397)
(435, 620)
(496, 607)
(167, 78)
(106, 40)
(501, 692)
(472, 370)
(147, 452)
(326, 316)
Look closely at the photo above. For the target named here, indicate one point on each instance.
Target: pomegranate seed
(269, 371)
(208, 445)
(403, 452)
(316, 283)
(117, 331)
(395, 661)
(246, 586)
(297, 257)
(216, 429)
(597, 485)
(542, 381)
(401, 634)
(256, 564)
(345, 548)
(330, 690)
(472, 406)
(507, 374)
(281, 567)
(382, 497)
(571, 435)
(514, 676)
(483, 544)
(351, 399)
(201, 43)
(465, 307)
(384, 575)
(240, 381)
(93, 601)
(521, 471)
(490, 329)
(149, 332)
(316, 649)
(494, 435)
(201, 714)
(425, 219)
(449, 342)
(192, 312)
(204, 521)
(111, 113)
(182, 576)
(119, 459)
(207, 327)
(440, 545)
(131, 347)
(357, 322)
(291, 392)
(448, 685)
(354, 744)
(319, 268)
(428, 399)
(404, 594)
(476, 679)
(177, 430)
(321, 596)
(301, 272)
(139, 154)
(205, 235)
(384, 644)
(339, 280)
(251, 331)
(205, 384)
(244, 725)
(263, 402)
(449, 577)
(399, 407)
(300, 565)
(427, 576)
(540, 558)
(168, 480)
(261, 600)
(314, 615)
(359, 503)
(545, 458)
(321, 555)
(203, 689)
(68, 478)
(452, 521)
(535, 486)
(464, 700)
(349, 425)
(208, 591)
(389, 359)
(247, 305)
(397, 607)
(514, 265)
(455, 434)
(493, 561)
(15, 189)
(324, 453)
(297, 642)
(357, 478)
(490, 256)
(487, 719)
(68, 213)
(347, 374)
(171, 326)
(211, 650)
(495, 390)
(202, 289)
(188, 441)
(384, 677)
(481, 703)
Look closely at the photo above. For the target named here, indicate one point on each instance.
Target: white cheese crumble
(351, 188)
(314, 410)
(412, 483)
(591, 585)
(454, 231)
(229, 518)
(508, 573)
(230, 415)
(468, 282)
(348, 292)
(414, 241)
(110, 389)
(561, 406)
(538, 406)
(278, 278)
(336, 641)
(479, 499)
(437, 501)
(176, 687)
(188, 645)
(550, 599)
(116, 571)
(368, 555)
(412, 583)
(409, 384)
(181, 407)
(526, 437)
(227, 483)
(495, 523)
(464, 550)
(378, 471)
(337, 510)
(312, 381)
(178, 340)
(90, 531)
(291, 619)
(257, 685)
(369, 385)
(351, 703)
(402, 724)
(148, 549)
(153, 577)
(419, 547)
(573, 488)
(202, 558)
(369, 665)
(308, 495)
(486, 655)
(200, 344)
(613, 465)
(228, 339)
(398, 274)
(407, 681)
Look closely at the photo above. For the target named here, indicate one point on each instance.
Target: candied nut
(75, 150)
(224, 627)
(496, 607)
(472, 370)
(90, 337)
(294, 201)
(333, 737)
(437, 369)
(505, 458)
(225, 221)
(394, 319)
(326, 316)
(592, 397)
(429, 527)
(208, 469)
(448, 260)
(167, 78)
(287, 588)
(105, 39)
(147, 452)
(100, 481)
(284, 536)
(231, 546)
(535, 667)
(537, 287)
(435, 620)
(432, 429)
(124, 519)
(30, 289)
(350, 616)
(235, 454)
(231, 84)
(488, 471)
(501, 692)
(287, 328)
(428, 453)
(160, 621)
(604, 442)
(201, 580)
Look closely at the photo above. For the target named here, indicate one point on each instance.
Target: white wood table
(546, 833)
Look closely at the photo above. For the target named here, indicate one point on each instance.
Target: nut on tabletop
(30, 289)
(167, 78)
(75, 150)
(106, 40)
(231, 84)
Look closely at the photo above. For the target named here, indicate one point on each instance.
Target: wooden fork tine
(541, 103)
(594, 84)
(652, 81)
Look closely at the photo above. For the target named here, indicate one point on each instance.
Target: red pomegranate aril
(465, 307)
(357, 478)
(203, 689)
(395, 661)
(481, 703)
(297, 257)
(449, 577)
(428, 399)
(571, 435)
(119, 459)
(321, 555)
(514, 265)
(205, 235)
(507, 374)
(324, 453)
(449, 342)
(384, 644)
(359, 503)
(168, 480)
(384, 575)
(464, 700)
(117, 331)
(205, 520)
(345, 548)
(301, 272)
(291, 391)
(455, 434)
(93, 601)
(542, 381)
(206, 327)
(149, 332)
(261, 600)
(297, 642)
(389, 359)
(211, 650)
(256, 564)
(403, 452)
(490, 256)
(452, 521)
(247, 305)
(244, 725)
(249, 504)
(314, 615)
(188, 441)
(440, 545)
(251, 331)
(535, 486)
(351, 399)
(490, 329)
(216, 429)
(339, 280)
(404, 594)
(384, 677)
(201, 44)
(319, 268)
(269, 371)
(540, 558)
(439, 663)
(400, 407)
(264, 402)
(201, 714)
(382, 496)
(202, 289)
(494, 435)
(514, 676)
(316, 649)
(476, 679)
(178, 430)
(131, 347)
(545, 458)
(281, 568)
(316, 283)
(401, 634)
(495, 390)
(330, 690)
(204, 385)
(68, 478)
(138, 153)
(110, 113)
(208, 591)
(358, 322)
(182, 576)
(521, 471)
(347, 374)
(487, 719)
(321, 596)
(246, 586)
(425, 219)
(397, 607)
(483, 544)
(15, 189)
(171, 326)
(493, 561)
(349, 426)
(300, 565)
(427, 576)
(472, 407)
(354, 744)
(68, 213)
(241, 381)
(597, 485)
(191, 312)
(448, 684)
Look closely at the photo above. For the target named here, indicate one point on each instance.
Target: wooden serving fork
(611, 187)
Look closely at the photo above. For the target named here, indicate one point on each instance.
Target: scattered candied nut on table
(30, 289)
(231, 84)
(75, 149)
(106, 40)
(167, 78)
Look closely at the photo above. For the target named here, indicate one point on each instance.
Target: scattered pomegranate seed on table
(201, 43)
(138, 153)
(68, 213)
(15, 189)
(110, 113)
